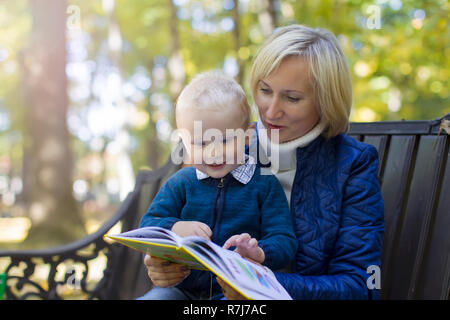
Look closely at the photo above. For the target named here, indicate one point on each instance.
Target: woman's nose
(274, 111)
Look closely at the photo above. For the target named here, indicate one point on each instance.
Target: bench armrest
(21, 284)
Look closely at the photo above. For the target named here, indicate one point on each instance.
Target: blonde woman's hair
(328, 70)
(213, 90)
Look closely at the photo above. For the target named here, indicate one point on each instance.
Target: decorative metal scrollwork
(52, 273)
(43, 274)
(28, 285)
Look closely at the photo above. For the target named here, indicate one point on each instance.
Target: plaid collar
(243, 173)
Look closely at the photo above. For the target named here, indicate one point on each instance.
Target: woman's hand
(229, 292)
(164, 273)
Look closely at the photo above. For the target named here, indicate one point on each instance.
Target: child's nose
(216, 152)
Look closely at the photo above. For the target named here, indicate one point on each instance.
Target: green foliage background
(400, 69)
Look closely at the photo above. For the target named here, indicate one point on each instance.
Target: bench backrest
(415, 180)
(132, 277)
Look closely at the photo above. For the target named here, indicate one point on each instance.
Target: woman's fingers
(168, 276)
(158, 263)
(169, 268)
(166, 279)
(147, 260)
(229, 292)
(164, 273)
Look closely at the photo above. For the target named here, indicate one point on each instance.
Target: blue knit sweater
(259, 208)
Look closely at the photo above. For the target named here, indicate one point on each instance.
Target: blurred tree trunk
(175, 63)
(151, 141)
(49, 162)
(267, 17)
(122, 159)
(237, 41)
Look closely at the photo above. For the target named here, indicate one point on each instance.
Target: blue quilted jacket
(337, 209)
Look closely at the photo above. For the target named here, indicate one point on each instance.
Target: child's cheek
(237, 154)
(200, 167)
(189, 156)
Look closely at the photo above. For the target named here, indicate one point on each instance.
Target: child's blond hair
(213, 90)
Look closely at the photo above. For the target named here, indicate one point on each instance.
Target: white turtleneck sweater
(284, 165)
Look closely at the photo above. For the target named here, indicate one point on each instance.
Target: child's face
(211, 142)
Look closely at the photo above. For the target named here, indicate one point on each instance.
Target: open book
(251, 280)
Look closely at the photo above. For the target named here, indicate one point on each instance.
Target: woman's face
(286, 100)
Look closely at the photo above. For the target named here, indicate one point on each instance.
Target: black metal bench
(414, 175)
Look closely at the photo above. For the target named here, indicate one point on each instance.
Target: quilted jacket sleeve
(278, 238)
(359, 240)
(166, 206)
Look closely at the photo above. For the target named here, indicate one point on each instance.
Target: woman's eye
(265, 90)
(293, 99)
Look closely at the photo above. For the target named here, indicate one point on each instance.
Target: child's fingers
(202, 233)
(236, 240)
(231, 241)
(206, 230)
(242, 239)
(253, 243)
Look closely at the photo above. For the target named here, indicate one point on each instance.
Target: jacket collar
(243, 173)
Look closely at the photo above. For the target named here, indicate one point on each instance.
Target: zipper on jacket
(218, 207)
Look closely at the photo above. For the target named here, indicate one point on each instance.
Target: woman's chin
(279, 138)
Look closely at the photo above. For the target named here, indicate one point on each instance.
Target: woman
(302, 87)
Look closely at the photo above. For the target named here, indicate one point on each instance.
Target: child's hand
(192, 228)
(246, 246)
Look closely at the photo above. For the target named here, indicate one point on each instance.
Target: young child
(223, 197)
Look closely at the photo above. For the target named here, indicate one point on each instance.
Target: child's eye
(229, 139)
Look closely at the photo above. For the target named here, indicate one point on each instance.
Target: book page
(254, 277)
(207, 255)
(158, 242)
(155, 234)
(251, 280)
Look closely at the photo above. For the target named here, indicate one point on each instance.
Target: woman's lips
(273, 127)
